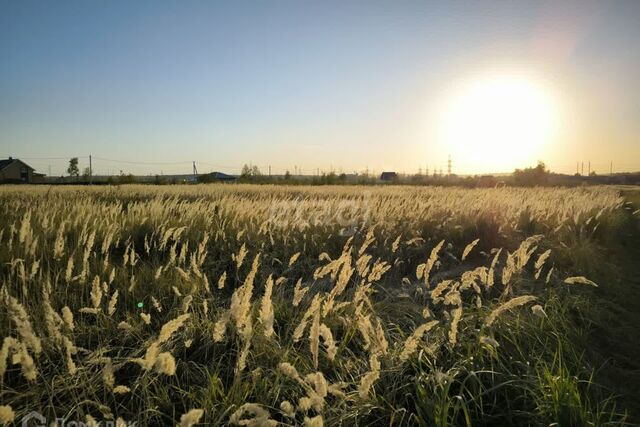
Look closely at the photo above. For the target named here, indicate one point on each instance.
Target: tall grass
(328, 306)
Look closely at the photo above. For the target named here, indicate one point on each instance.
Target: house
(216, 177)
(388, 176)
(16, 171)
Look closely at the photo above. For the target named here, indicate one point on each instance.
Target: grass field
(265, 305)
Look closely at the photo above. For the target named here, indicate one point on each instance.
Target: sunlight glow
(497, 124)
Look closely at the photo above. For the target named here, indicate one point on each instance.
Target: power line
(274, 169)
(51, 158)
(219, 166)
(141, 163)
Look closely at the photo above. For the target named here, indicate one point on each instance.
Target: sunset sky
(348, 85)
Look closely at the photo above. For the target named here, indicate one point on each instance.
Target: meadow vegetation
(275, 305)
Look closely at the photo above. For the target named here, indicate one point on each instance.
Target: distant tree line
(529, 177)
(538, 175)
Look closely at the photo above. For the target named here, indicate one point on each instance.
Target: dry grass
(326, 303)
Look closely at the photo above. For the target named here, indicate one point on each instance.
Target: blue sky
(346, 85)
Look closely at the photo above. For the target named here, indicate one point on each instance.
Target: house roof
(219, 175)
(388, 174)
(6, 162)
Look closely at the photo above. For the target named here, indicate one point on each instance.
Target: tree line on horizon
(538, 175)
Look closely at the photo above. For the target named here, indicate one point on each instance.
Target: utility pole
(589, 168)
(577, 168)
(195, 172)
(449, 165)
(90, 171)
(611, 168)
(269, 170)
(582, 168)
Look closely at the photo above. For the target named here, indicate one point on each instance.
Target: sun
(498, 123)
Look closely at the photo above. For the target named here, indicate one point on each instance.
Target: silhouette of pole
(90, 171)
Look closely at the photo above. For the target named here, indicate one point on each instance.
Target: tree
(126, 178)
(250, 171)
(532, 176)
(73, 170)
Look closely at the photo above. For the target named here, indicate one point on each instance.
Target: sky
(149, 87)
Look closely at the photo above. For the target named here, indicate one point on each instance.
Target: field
(269, 305)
